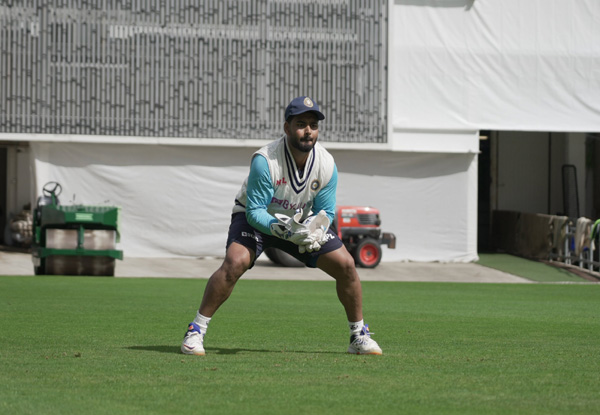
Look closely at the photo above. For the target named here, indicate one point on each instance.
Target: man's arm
(326, 198)
(259, 194)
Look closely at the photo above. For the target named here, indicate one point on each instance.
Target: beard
(303, 146)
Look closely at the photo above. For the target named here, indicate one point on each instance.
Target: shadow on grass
(219, 350)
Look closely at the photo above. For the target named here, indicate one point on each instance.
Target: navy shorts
(241, 232)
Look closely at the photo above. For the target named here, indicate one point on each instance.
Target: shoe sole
(192, 352)
(378, 353)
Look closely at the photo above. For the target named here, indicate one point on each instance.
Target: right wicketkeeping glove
(318, 225)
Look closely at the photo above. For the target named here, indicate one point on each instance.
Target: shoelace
(193, 330)
(365, 331)
(364, 337)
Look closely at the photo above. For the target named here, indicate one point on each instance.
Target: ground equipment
(359, 228)
(75, 239)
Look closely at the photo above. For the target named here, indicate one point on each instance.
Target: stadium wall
(452, 68)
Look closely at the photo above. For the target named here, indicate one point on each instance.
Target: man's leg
(340, 265)
(237, 260)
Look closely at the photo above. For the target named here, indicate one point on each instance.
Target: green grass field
(80, 345)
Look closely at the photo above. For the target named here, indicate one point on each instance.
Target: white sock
(202, 322)
(356, 326)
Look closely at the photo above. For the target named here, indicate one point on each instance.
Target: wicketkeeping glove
(318, 225)
(290, 229)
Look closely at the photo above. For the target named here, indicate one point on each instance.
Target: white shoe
(193, 341)
(362, 343)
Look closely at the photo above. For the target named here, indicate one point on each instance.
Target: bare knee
(339, 264)
(237, 261)
(232, 269)
(349, 268)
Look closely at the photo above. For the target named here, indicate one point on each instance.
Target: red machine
(359, 228)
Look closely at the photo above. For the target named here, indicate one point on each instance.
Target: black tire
(367, 253)
(282, 258)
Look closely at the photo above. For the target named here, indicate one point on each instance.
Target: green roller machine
(73, 240)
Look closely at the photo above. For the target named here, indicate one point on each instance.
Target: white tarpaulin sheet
(489, 64)
(176, 201)
(429, 201)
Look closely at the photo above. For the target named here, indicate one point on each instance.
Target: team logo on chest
(315, 184)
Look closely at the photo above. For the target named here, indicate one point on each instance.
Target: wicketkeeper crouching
(289, 180)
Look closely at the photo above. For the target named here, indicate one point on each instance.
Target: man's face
(302, 131)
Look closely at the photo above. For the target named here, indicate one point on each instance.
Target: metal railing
(578, 244)
(188, 68)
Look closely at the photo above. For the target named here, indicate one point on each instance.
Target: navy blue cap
(301, 105)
